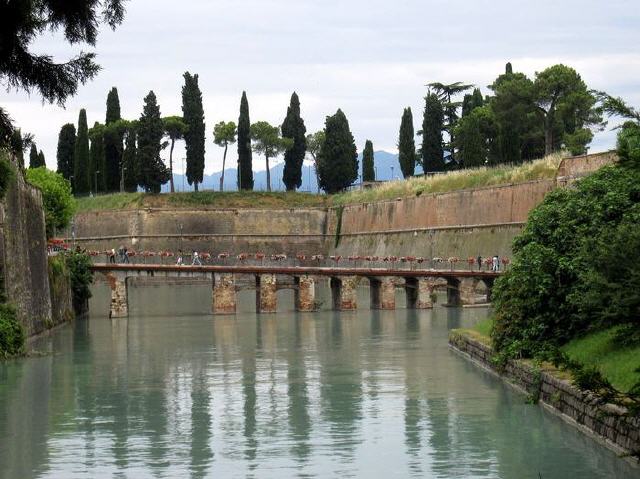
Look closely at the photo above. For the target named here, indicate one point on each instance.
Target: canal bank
(606, 423)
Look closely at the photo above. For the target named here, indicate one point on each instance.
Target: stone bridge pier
(266, 293)
(224, 293)
(344, 292)
(419, 291)
(119, 306)
(383, 292)
(305, 293)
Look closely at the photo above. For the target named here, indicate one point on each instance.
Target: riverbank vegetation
(59, 204)
(576, 278)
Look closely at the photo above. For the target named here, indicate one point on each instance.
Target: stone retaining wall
(605, 422)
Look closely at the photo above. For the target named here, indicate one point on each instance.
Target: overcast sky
(371, 58)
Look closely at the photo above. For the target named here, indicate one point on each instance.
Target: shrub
(576, 264)
(7, 175)
(59, 204)
(79, 268)
(11, 332)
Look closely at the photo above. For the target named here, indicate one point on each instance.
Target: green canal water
(174, 392)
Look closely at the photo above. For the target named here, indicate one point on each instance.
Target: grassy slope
(615, 363)
(455, 180)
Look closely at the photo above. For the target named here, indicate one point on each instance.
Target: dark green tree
(23, 21)
(368, 166)
(33, 156)
(175, 129)
(18, 143)
(151, 172)
(314, 143)
(66, 145)
(432, 126)
(41, 160)
(567, 108)
(267, 141)
(338, 157)
(129, 161)
(224, 134)
(96, 158)
(112, 143)
(471, 101)
(81, 183)
(293, 127)
(193, 116)
(476, 138)
(407, 144)
(445, 93)
(245, 168)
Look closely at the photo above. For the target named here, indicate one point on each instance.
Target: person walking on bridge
(479, 260)
(495, 264)
(196, 259)
(180, 260)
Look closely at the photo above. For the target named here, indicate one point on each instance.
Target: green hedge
(11, 333)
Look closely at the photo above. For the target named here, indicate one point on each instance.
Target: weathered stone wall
(60, 291)
(270, 231)
(24, 255)
(571, 169)
(605, 422)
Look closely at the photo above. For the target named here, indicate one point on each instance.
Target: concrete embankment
(606, 423)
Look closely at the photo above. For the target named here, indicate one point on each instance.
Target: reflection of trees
(201, 453)
(298, 412)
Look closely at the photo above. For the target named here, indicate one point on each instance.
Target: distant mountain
(385, 163)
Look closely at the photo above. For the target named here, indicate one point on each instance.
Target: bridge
(418, 284)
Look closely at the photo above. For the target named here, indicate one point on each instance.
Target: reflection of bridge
(418, 284)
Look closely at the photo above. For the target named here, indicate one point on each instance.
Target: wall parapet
(606, 423)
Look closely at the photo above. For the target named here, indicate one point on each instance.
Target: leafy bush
(79, 267)
(7, 174)
(59, 204)
(576, 264)
(11, 332)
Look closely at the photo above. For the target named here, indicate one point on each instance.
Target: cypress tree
(407, 144)
(471, 101)
(112, 144)
(66, 145)
(33, 156)
(338, 157)
(81, 156)
(245, 169)
(508, 69)
(41, 160)
(293, 128)
(152, 173)
(129, 161)
(193, 115)
(368, 169)
(96, 158)
(432, 125)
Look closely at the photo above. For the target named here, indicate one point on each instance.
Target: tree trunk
(224, 160)
(548, 134)
(171, 166)
(195, 186)
(266, 157)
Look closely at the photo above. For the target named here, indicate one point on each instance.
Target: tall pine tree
(293, 127)
(193, 115)
(33, 156)
(81, 157)
(245, 168)
(407, 144)
(96, 158)
(368, 167)
(338, 157)
(432, 125)
(112, 143)
(41, 160)
(471, 101)
(129, 161)
(66, 145)
(152, 173)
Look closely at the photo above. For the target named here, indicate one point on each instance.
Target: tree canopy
(245, 168)
(112, 138)
(175, 129)
(151, 172)
(193, 116)
(293, 128)
(338, 156)
(407, 144)
(59, 205)
(224, 134)
(368, 166)
(81, 156)
(267, 141)
(314, 142)
(432, 127)
(66, 145)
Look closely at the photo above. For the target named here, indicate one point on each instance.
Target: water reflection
(362, 394)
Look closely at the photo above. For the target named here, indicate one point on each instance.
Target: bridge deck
(292, 270)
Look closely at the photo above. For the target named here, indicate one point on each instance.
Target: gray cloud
(369, 58)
